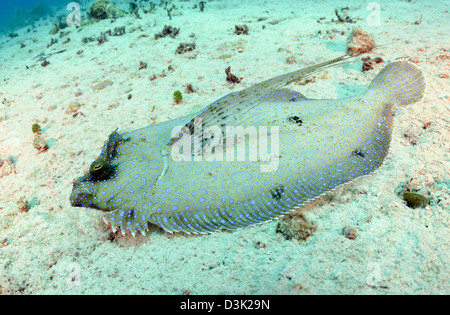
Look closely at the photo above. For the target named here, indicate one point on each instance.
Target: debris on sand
(360, 42)
(231, 77)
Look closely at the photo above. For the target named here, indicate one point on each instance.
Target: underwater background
(67, 83)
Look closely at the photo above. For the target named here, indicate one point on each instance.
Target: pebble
(350, 232)
(102, 85)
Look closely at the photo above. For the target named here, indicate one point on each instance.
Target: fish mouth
(81, 197)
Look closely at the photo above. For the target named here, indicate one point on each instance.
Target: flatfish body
(248, 158)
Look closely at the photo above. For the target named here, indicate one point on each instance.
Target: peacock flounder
(248, 158)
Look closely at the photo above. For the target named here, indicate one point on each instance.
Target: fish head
(84, 193)
(123, 173)
(96, 189)
(91, 190)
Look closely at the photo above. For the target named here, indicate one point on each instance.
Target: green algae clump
(36, 128)
(177, 97)
(414, 200)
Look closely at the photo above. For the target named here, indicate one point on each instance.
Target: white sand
(55, 248)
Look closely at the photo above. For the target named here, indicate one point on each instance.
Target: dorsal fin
(285, 95)
(229, 109)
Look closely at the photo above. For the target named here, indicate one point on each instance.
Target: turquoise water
(18, 13)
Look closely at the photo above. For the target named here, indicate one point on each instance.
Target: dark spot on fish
(190, 126)
(295, 120)
(358, 152)
(277, 192)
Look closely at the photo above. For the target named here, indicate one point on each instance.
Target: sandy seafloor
(54, 248)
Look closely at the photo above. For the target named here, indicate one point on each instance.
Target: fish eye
(101, 169)
(97, 166)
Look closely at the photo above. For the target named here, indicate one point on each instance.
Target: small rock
(231, 77)
(168, 31)
(291, 60)
(350, 232)
(40, 144)
(102, 85)
(360, 42)
(296, 226)
(241, 29)
(185, 47)
(54, 30)
(142, 65)
(414, 200)
(22, 205)
(189, 89)
(6, 167)
(260, 245)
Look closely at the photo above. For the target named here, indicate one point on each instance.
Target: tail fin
(400, 82)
